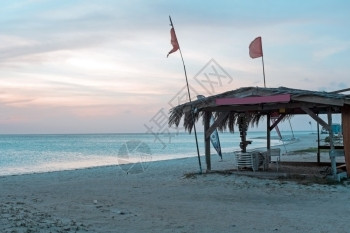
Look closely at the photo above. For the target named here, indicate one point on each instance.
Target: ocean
(22, 154)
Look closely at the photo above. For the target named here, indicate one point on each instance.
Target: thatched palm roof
(319, 102)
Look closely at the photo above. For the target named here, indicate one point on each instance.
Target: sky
(101, 66)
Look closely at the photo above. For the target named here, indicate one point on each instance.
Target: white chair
(264, 160)
(275, 156)
(247, 160)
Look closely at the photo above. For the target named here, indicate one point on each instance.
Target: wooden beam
(320, 105)
(320, 100)
(316, 118)
(292, 108)
(207, 116)
(318, 144)
(340, 91)
(329, 147)
(254, 100)
(211, 129)
(277, 121)
(346, 135)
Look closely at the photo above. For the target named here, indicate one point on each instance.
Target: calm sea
(20, 154)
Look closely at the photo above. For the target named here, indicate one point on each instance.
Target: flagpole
(189, 97)
(255, 51)
(262, 59)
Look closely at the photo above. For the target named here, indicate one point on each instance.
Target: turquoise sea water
(20, 154)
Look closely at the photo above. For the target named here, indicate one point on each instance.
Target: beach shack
(248, 105)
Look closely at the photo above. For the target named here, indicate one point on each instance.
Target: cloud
(330, 49)
(64, 57)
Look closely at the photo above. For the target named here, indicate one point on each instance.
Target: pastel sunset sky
(101, 67)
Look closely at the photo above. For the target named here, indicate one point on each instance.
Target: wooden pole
(263, 65)
(189, 97)
(345, 115)
(207, 116)
(318, 144)
(331, 144)
(268, 140)
(340, 91)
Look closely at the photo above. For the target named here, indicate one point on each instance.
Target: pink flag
(255, 48)
(173, 41)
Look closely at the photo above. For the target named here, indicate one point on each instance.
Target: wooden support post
(331, 144)
(345, 115)
(207, 116)
(268, 140)
(318, 144)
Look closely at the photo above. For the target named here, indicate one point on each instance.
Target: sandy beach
(105, 106)
(168, 196)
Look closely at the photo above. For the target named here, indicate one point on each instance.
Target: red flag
(173, 41)
(255, 48)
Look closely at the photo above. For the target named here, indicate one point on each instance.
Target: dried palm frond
(191, 112)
